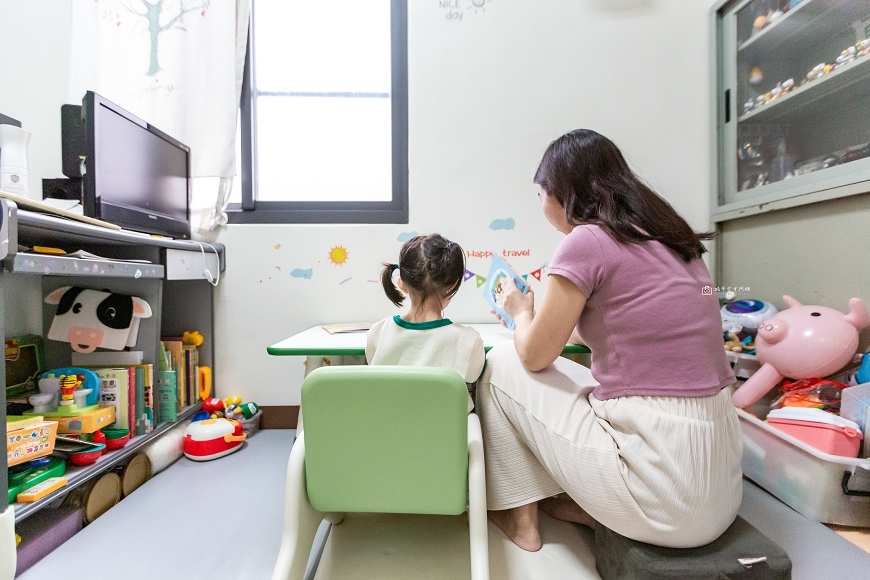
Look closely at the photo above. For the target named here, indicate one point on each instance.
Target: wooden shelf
(798, 101)
(804, 24)
(76, 476)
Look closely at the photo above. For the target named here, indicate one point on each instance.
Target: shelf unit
(801, 25)
(798, 142)
(76, 476)
(179, 302)
(821, 92)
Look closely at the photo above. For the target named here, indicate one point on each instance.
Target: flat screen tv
(134, 175)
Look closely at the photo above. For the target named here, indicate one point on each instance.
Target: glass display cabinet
(792, 103)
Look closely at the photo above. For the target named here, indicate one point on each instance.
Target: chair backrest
(387, 439)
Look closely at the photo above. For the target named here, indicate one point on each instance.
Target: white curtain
(177, 64)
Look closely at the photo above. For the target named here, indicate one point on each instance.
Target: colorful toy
(234, 400)
(802, 342)
(88, 319)
(863, 374)
(733, 343)
(212, 438)
(748, 314)
(194, 338)
(249, 409)
(213, 404)
(68, 384)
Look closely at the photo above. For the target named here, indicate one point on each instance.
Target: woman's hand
(515, 302)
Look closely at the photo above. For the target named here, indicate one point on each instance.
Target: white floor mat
(420, 547)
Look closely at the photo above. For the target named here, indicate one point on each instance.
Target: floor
(223, 519)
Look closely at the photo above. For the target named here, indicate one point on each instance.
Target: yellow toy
(236, 400)
(194, 338)
(733, 343)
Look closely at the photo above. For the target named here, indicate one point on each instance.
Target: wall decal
(300, 273)
(338, 255)
(502, 224)
(405, 236)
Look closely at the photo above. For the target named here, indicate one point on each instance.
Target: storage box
(808, 480)
(25, 359)
(824, 431)
(87, 422)
(855, 406)
(30, 442)
(43, 532)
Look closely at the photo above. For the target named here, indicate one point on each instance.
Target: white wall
(487, 94)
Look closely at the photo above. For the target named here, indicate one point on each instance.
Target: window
(324, 114)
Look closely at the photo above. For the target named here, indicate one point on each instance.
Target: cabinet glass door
(797, 74)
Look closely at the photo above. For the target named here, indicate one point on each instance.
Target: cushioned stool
(735, 555)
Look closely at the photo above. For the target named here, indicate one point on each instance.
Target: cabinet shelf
(76, 476)
(821, 91)
(49, 265)
(803, 25)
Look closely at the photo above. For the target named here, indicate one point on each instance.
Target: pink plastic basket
(832, 439)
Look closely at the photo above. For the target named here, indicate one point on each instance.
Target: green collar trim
(421, 325)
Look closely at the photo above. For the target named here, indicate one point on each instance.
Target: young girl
(430, 273)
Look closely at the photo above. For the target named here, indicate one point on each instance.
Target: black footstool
(737, 555)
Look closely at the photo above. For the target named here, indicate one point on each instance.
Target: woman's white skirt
(662, 470)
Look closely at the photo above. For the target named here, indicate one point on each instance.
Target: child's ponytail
(390, 289)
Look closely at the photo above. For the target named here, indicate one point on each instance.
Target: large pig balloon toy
(802, 342)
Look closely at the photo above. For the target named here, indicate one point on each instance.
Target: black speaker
(73, 141)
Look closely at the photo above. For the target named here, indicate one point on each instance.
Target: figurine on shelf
(863, 47)
(816, 72)
(847, 56)
(68, 384)
(755, 76)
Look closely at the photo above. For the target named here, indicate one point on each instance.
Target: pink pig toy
(802, 342)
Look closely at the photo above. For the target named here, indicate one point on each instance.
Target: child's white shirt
(440, 343)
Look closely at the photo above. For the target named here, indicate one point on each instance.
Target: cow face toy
(88, 319)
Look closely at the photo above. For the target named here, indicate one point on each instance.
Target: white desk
(316, 342)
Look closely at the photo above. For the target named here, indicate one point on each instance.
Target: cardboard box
(87, 422)
(30, 442)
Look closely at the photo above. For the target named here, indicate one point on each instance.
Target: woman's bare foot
(567, 510)
(520, 524)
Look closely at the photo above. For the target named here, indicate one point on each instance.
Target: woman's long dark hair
(432, 266)
(589, 177)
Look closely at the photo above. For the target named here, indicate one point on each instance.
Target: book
(131, 400)
(144, 399)
(113, 358)
(167, 396)
(176, 363)
(114, 392)
(341, 328)
(495, 287)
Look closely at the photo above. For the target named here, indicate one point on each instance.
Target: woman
(648, 442)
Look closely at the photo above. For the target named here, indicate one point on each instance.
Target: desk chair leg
(477, 524)
(300, 519)
(8, 560)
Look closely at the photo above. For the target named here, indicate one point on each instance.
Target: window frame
(395, 211)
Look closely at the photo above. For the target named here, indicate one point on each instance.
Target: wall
(815, 253)
(488, 92)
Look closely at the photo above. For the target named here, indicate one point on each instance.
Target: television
(133, 174)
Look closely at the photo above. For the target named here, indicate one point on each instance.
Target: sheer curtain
(177, 64)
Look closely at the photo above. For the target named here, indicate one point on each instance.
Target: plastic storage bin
(252, 425)
(855, 406)
(823, 487)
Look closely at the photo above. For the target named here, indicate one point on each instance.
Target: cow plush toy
(88, 319)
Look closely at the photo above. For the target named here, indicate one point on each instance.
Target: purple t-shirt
(651, 328)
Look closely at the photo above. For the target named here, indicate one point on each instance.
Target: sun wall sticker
(338, 255)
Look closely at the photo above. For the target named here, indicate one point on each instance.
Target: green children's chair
(383, 439)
